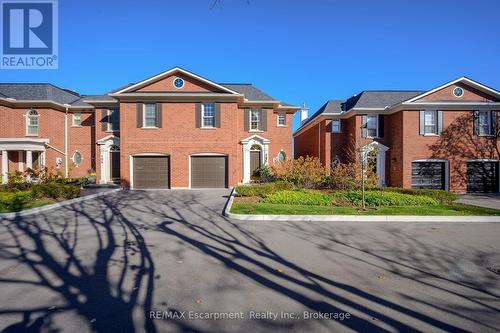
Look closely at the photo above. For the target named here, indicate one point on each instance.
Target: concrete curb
(354, 218)
(56, 205)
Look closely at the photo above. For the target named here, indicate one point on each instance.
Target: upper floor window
(77, 119)
(255, 120)
(150, 115)
(430, 122)
(208, 115)
(336, 126)
(32, 118)
(485, 122)
(281, 119)
(371, 126)
(113, 120)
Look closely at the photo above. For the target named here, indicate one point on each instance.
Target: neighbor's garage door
(208, 171)
(482, 177)
(151, 172)
(428, 175)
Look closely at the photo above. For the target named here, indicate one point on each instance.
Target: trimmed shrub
(55, 191)
(12, 201)
(300, 197)
(442, 196)
(262, 190)
(381, 198)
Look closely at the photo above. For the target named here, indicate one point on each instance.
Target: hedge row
(300, 197)
(262, 190)
(381, 198)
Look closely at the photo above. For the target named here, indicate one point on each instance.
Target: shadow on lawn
(105, 288)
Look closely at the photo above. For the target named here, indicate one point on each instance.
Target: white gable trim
(462, 79)
(170, 72)
(255, 137)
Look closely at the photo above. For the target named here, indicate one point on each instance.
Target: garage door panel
(482, 177)
(208, 171)
(428, 175)
(151, 172)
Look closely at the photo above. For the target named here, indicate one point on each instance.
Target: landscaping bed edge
(351, 218)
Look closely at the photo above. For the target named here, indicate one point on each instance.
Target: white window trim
(108, 126)
(281, 114)
(340, 127)
(490, 124)
(259, 120)
(144, 116)
(73, 158)
(27, 123)
(203, 116)
(376, 126)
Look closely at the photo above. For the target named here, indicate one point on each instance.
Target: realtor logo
(29, 34)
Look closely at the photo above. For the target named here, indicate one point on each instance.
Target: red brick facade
(456, 145)
(178, 137)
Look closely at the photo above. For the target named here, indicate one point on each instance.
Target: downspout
(319, 141)
(66, 144)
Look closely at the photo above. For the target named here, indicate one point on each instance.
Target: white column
(265, 154)
(5, 166)
(29, 159)
(42, 159)
(21, 160)
(246, 164)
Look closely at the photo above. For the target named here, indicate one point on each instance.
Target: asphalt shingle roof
(379, 98)
(251, 92)
(365, 99)
(38, 91)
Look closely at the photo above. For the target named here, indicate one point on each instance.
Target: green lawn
(25, 205)
(440, 210)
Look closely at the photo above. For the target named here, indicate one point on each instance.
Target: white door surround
(380, 149)
(247, 145)
(105, 146)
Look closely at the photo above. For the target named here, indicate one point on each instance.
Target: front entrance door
(255, 163)
(114, 166)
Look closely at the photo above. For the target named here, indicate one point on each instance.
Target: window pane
(484, 123)
(430, 122)
(254, 119)
(208, 122)
(371, 122)
(77, 119)
(150, 115)
(281, 119)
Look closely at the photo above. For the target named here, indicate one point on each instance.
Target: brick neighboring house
(444, 138)
(173, 130)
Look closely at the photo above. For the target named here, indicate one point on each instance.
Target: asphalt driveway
(153, 261)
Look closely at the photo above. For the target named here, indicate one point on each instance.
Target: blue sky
(297, 51)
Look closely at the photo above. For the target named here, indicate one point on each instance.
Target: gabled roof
(463, 79)
(170, 72)
(332, 107)
(38, 92)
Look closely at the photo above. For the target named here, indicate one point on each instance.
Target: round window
(77, 158)
(178, 83)
(281, 156)
(458, 92)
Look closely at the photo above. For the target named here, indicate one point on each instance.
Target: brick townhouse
(444, 138)
(173, 130)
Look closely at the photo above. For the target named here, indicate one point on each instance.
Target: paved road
(106, 264)
(481, 200)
